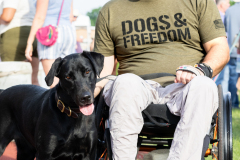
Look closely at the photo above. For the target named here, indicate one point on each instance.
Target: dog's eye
(68, 77)
(87, 72)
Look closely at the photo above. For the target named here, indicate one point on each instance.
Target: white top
(25, 12)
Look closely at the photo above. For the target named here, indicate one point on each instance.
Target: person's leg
(127, 96)
(233, 81)
(238, 82)
(196, 103)
(47, 64)
(35, 61)
(35, 67)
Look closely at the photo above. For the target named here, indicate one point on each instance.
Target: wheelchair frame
(220, 133)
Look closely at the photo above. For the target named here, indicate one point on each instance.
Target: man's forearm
(217, 54)
(107, 70)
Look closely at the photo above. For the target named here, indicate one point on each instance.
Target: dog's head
(77, 75)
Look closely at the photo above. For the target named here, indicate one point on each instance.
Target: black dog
(55, 124)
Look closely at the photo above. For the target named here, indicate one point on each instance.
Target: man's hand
(185, 77)
(107, 70)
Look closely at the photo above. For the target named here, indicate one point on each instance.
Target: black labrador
(54, 124)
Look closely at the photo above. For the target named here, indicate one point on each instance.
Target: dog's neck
(65, 97)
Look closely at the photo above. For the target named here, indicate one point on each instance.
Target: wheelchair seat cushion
(160, 113)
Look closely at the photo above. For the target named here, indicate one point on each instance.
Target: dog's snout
(86, 98)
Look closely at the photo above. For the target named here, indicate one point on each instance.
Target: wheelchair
(160, 124)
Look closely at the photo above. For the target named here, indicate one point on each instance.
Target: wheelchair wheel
(223, 151)
(228, 111)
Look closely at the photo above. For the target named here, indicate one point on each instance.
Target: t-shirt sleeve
(10, 4)
(210, 22)
(103, 41)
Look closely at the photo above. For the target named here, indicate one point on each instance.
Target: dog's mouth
(87, 109)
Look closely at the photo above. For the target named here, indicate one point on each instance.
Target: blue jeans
(228, 79)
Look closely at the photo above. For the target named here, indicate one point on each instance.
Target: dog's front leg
(93, 144)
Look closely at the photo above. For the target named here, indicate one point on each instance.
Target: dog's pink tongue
(87, 110)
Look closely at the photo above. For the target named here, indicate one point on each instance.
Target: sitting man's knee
(128, 79)
(203, 83)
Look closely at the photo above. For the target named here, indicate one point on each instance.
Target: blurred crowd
(229, 76)
(19, 23)
(21, 19)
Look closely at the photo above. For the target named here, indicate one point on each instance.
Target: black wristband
(206, 69)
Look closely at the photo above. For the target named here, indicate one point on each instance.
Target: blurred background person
(232, 25)
(222, 6)
(78, 48)
(238, 51)
(47, 13)
(92, 45)
(15, 24)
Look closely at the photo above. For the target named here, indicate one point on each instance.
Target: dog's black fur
(29, 114)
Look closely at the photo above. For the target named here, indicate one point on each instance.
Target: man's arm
(217, 54)
(217, 57)
(107, 70)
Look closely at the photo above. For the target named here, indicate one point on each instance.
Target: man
(151, 36)
(232, 24)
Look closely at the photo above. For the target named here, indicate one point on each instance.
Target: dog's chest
(77, 147)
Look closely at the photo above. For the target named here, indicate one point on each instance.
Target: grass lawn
(236, 135)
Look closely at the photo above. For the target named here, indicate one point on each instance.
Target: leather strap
(69, 111)
(109, 77)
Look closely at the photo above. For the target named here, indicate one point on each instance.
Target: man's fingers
(178, 76)
(189, 77)
(193, 75)
(183, 77)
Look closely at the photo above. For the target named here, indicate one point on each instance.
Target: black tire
(229, 146)
(224, 133)
(221, 126)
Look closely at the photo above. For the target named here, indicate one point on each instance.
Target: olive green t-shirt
(153, 36)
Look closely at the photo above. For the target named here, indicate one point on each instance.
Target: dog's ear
(54, 71)
(96, 59)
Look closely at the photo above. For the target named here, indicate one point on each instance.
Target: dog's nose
(86, 98)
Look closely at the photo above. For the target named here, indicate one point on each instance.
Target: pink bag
(48, 35)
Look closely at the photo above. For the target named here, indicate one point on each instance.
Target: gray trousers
(129, 95)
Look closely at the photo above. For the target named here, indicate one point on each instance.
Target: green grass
(236, 135)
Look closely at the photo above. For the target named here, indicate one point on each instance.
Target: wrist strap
(206, 69)
(60, 13)
(189, 69)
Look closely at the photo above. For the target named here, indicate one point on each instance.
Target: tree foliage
(232, 3)
(93, 15)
